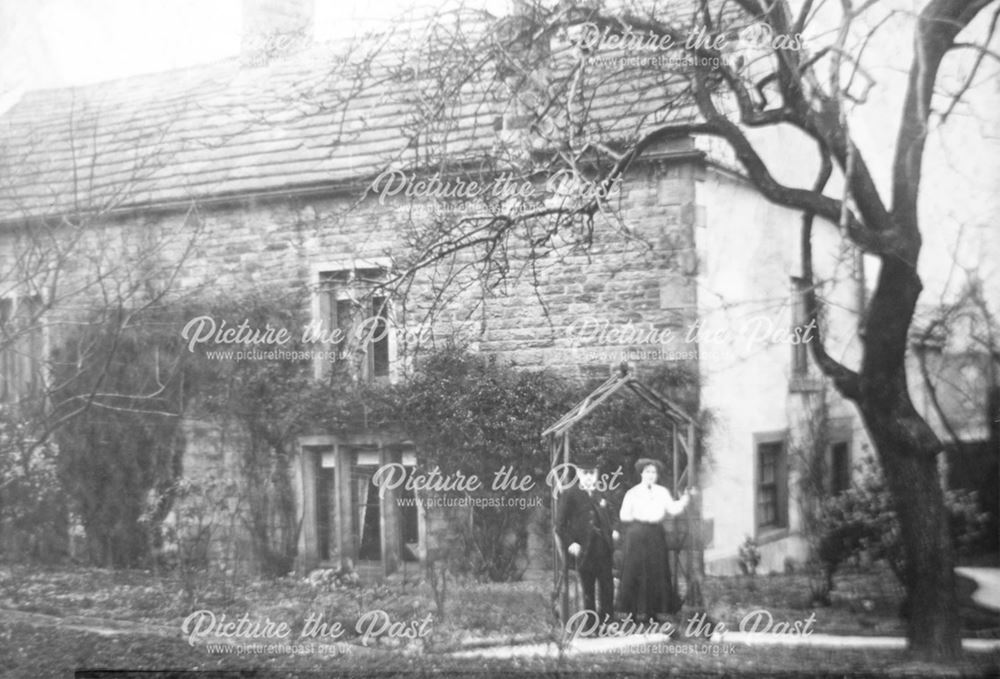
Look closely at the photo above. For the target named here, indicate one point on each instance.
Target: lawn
(149, 613)
(862, 603)
(27, 651)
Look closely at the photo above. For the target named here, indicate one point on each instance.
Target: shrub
(119, 398)
(476, 415)
(196, 541)
(33, 512)
(749, 555)
(861, 521)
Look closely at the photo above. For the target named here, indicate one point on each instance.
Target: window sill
(771, 534)
(804, 384)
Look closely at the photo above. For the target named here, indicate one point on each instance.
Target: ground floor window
(840, 467)
(772, 481)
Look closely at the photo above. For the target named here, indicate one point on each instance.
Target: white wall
(748, 251)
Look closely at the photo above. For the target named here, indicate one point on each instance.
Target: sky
(53, 43)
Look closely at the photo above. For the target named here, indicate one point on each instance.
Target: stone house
(256, 174)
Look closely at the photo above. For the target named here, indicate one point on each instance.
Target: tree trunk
(908, 449)
(911, 474)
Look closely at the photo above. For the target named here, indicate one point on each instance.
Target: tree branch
(937, 27)
(982, 53)
(844, 379)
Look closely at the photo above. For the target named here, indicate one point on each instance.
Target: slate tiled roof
(315, 119)
(214, 130)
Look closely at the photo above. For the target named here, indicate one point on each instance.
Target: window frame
(22, 351)
(360, 280)
(836, 473)
(767, 441)
(800, 351)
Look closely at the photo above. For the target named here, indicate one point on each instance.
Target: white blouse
(650, 505)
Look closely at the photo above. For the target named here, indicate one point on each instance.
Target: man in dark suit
(585, 528)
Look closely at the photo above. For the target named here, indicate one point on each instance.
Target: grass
(473, 610)
(863, 603)
(28, 651)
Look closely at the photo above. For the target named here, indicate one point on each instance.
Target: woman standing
(646, 588)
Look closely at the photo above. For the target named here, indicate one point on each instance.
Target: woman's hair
(644, 462)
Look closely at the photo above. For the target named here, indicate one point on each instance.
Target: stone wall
(642, 276)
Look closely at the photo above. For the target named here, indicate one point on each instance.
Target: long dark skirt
(646, 588)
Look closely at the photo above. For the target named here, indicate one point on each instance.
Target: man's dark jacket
(583, 519)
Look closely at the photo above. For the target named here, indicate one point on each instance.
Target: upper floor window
(20, 347)
(355, 313)
(800, 350)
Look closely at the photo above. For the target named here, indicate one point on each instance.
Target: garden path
(987, 593)
(720, 645)
(102, 626)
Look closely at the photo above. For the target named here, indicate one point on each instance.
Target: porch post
(345, 512)
(696, 553)
(389, 519)
(308, 542)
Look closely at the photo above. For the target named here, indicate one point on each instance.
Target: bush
(119, 397)
(749, 555)
(472, 414)
(33, 512)
(861, 522)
